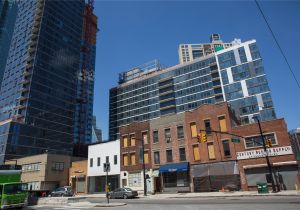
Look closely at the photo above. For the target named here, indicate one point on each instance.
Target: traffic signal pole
(267, 157)
(144, 168)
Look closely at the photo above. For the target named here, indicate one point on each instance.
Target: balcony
(27, 73)
(23, 98)
(20, 107)
(29, 66)
(25, 81)
(24, 90)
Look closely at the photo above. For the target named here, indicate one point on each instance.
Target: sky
(135, 32)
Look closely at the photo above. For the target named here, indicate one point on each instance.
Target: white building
(98, 155)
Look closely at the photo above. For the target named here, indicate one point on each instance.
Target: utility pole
(144, 168)
(106, 169)
(267, 155)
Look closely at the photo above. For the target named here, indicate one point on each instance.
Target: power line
(280, 49)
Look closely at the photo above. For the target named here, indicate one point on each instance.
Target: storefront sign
(276, 151)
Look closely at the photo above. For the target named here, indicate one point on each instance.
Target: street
(233, 203)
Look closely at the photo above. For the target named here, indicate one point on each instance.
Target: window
(169, 155)
(207, 126)
(132, 140)
(145, 137)
(57, 166)
(125, 160)
(211, 151)
(226, 148)
(115, 159)
(255, 141)
(31, 167)
(98, 161)
(146, 157)
(91, 162)
(125, 141)
(193, 130)
(132, 159)
(222, 123)
(182, 156)
(156, 158)
(155, 136)
(180, 132)
(107, 159)
(196, 152)
(168, 135)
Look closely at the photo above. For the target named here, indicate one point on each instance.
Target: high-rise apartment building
(8, 14)
(40, 95)
(235, 75)
(189, 52)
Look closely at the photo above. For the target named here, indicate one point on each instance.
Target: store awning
(174, 167)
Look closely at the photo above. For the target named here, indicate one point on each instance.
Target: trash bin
(262, 187)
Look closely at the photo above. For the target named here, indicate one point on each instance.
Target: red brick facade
(136, 129)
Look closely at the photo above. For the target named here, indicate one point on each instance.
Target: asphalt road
(236, 203)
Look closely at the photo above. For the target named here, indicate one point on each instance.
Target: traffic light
(204, 139)
(269, 143)
(199, 137)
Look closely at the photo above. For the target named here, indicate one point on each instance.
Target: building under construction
(85, 89)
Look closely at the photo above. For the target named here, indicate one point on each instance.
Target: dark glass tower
(8, 14)
(39, 92)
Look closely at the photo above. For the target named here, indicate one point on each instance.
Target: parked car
(62, 192)
(123, 192)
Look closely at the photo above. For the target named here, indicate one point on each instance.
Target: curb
(110, 205)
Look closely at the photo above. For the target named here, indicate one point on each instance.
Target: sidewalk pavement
(205, 194)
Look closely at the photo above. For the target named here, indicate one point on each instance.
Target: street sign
(106, 167)
(235, 140)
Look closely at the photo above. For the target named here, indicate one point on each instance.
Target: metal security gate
(216, 183)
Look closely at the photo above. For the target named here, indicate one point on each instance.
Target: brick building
(131, 153)
(231, 156)
(78, 176)
(169, 157)
(253, 168)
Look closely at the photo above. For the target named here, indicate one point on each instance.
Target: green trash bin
(262, 187)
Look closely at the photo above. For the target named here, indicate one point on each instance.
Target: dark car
(62, 192)
(123, 193)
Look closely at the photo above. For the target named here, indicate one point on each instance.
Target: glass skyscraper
(39, 92)
(235, 74)
(8, 14)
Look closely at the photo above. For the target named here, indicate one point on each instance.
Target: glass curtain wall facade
(186, 86)
(39, 88)
(8, 15)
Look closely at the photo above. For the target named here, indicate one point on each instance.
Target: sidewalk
(205, 194)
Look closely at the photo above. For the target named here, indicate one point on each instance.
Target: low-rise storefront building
(100, 154)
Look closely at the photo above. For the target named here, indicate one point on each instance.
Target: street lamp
(144, 168)
(267, 155)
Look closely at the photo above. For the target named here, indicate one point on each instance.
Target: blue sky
(134, 32)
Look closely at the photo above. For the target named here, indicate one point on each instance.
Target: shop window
(132, 159)
(132, 140)
(169, 155)
(145, 137)
(155, 136)
(226, 148)
(222, 123)
(125, 160)
(193, 130)
(211, 151)
(196, 152)
(182, 155)
(125, 141)
(146, 157)
(156, 157)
